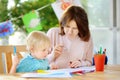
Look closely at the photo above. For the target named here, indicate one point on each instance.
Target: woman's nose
(70, 31)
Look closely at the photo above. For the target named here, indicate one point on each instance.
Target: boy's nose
(46, 52)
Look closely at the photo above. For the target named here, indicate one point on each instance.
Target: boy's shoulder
(27, 58)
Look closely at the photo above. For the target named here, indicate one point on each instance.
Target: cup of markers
(99, 60)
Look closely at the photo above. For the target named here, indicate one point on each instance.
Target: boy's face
(41, 54)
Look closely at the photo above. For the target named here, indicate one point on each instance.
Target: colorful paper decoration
(32, 21)
(6, 29)
(64, 4)
(60, 5)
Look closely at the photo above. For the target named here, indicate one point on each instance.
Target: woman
(72, 44)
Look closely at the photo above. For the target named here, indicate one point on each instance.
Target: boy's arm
(15, 62)
(13, 69)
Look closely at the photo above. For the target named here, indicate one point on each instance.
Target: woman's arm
(86, 59)
(56, 48)
(88, 54)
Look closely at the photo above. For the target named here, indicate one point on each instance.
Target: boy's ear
(31, 49)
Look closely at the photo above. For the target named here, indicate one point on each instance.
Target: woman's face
(71, 30)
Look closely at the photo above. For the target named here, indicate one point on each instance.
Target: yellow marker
(41, 71)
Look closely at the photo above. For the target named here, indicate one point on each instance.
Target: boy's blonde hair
(37, 40)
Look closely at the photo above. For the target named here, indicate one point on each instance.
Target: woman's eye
(67, 26)
(74, 28)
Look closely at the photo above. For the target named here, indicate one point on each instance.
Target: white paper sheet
(59, 73)
(47, 75)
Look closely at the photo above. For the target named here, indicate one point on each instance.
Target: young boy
(38, 45)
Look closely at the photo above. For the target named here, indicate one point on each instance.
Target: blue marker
(14, 50)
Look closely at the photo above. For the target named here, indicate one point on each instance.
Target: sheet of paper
(47, 75)
(69, 70)
(59, 73)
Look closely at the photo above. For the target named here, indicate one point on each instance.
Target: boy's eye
(43, 49)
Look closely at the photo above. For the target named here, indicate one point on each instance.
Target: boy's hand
(15, 60)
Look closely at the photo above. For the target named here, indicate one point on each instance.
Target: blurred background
(19, 17)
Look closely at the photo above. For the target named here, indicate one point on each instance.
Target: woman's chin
(70, 37)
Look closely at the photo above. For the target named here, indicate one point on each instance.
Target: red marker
(75, 72)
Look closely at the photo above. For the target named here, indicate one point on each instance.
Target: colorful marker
(14, 50)
(100, 50)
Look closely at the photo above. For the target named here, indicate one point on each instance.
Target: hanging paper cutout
(60, 5)
(32, 21)
(6, 29)
(64, 4)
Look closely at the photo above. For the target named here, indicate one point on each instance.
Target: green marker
(100, 50)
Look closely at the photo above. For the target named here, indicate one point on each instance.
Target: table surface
(111, 72)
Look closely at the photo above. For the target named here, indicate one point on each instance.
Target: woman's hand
(53, 66)
(58, 51)
(75, 64)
